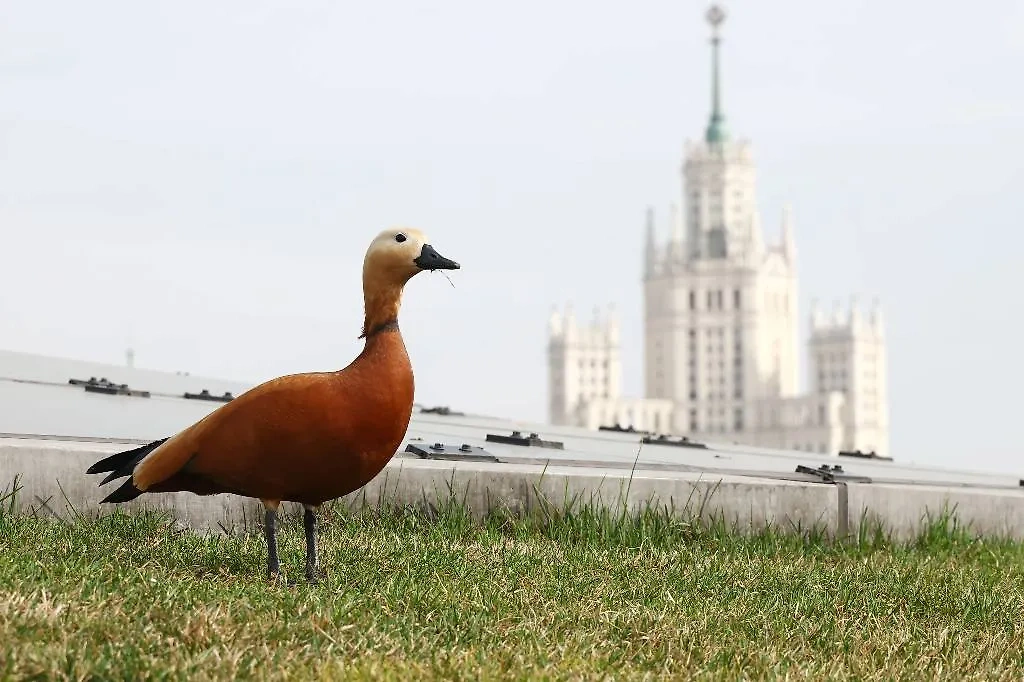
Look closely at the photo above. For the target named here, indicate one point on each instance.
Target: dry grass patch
(573, 597)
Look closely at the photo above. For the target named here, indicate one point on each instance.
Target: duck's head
(397, 254)
(393, 258)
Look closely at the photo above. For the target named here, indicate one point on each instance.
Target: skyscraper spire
(676, 246)
(788, 242)
(651, 252)
(555, 322)
(716, 125)
(875, 317)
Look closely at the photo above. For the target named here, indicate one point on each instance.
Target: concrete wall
(53, 481)
(745, 502)
(994, 513)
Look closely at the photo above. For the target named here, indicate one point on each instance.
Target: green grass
(577, 595)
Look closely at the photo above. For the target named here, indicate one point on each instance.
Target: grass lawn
(406, 596)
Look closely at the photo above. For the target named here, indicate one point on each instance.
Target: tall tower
(584, 363)
(719, 306)
(720, 323)
(719, 181)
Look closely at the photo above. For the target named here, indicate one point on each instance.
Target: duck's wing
(227, 433)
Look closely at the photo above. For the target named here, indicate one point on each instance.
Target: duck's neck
(381, 304)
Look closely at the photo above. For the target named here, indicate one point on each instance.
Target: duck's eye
(400, 237)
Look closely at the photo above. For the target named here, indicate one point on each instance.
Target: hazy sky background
(199, 181)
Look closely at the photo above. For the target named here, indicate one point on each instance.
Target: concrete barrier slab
(53, 480)
(52, 476)
(903, 510)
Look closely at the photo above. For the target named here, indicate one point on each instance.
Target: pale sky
(199, 181)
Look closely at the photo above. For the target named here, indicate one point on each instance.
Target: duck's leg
(270, 533)
(312, 561)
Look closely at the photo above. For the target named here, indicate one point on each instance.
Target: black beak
(432, 260)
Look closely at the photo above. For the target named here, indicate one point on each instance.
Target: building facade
(721, 326)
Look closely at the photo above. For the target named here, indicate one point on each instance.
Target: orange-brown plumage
(305, 438)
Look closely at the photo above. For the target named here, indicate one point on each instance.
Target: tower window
(736, 299)
(693, 300)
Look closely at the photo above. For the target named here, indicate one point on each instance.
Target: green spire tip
(715, 132)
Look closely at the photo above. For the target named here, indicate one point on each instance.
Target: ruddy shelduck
(305, 438)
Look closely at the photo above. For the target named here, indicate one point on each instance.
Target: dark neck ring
(387, 325)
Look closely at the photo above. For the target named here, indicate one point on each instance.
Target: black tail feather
(114, 461)
(125, 493)
(122, 463)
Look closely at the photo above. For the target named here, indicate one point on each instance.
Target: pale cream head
(397, 254)
(392, 259)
